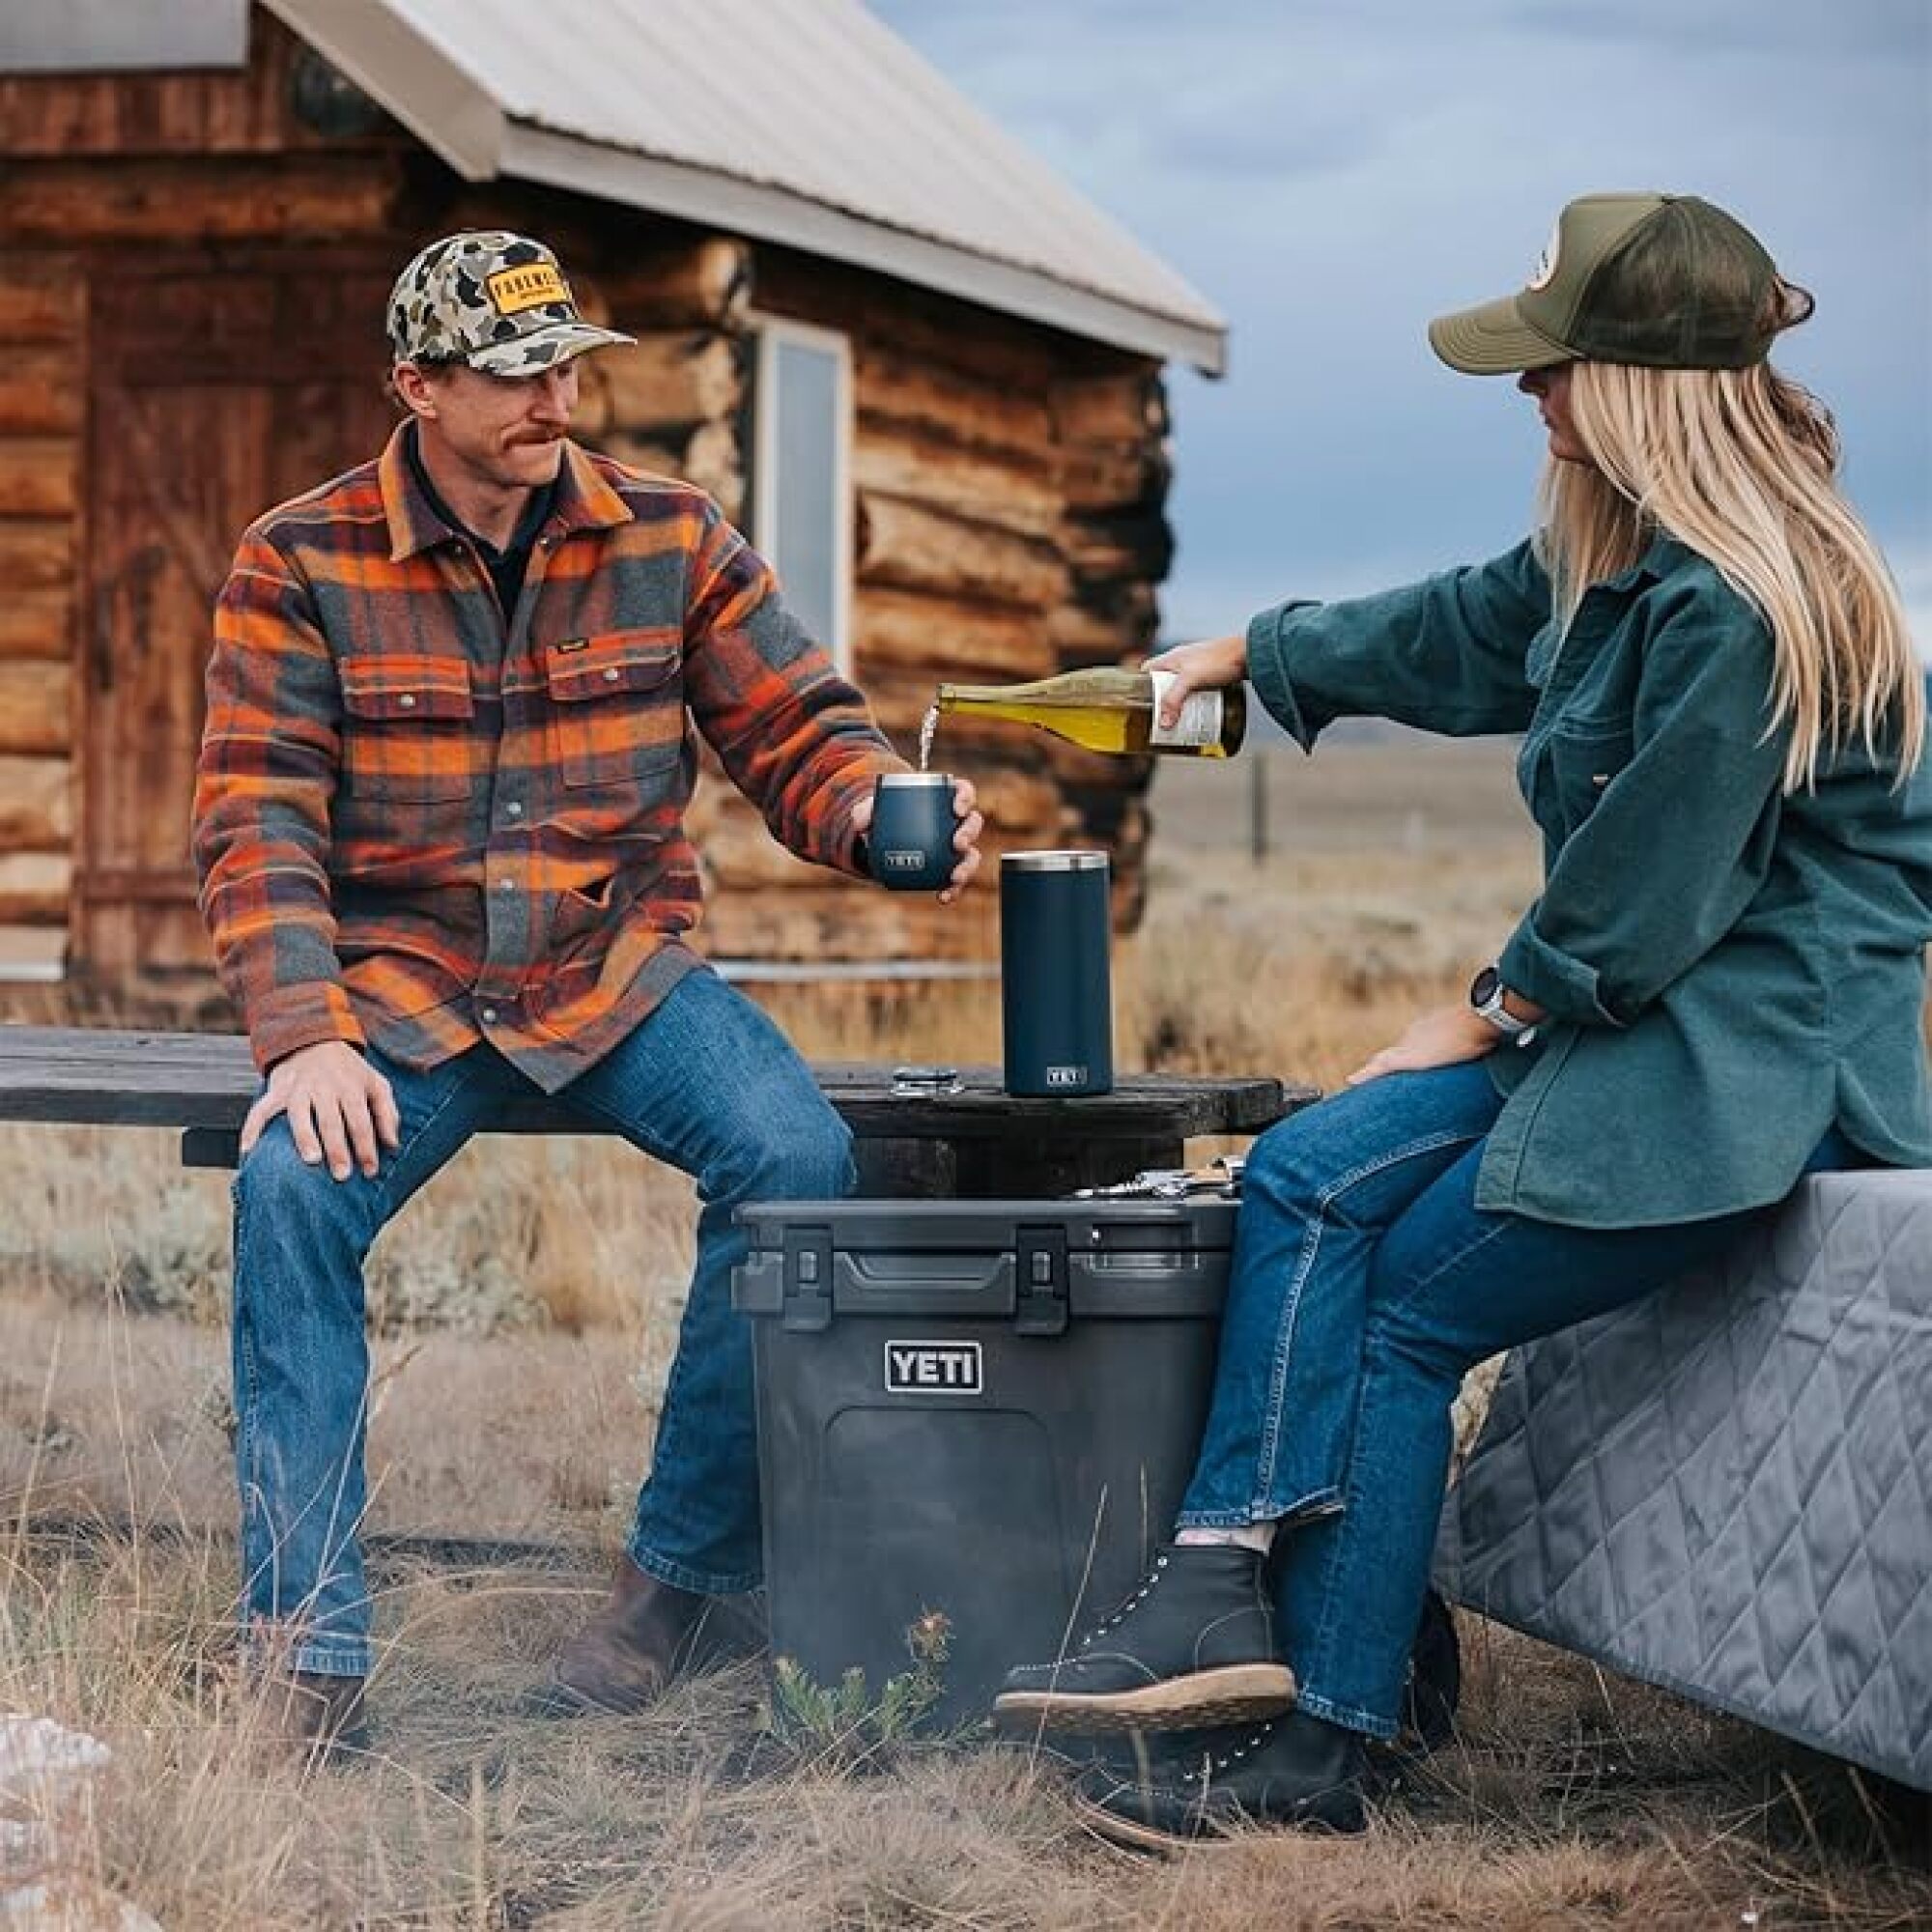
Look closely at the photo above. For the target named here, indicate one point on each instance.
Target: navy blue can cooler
(1056, 982)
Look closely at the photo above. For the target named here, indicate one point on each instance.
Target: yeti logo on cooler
(933, 1368)
(1066, 1077)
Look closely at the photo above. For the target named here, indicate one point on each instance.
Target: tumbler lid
(906, 781)
(1054, 861)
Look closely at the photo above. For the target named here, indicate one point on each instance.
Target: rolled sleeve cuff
(1268, 674)
(294, 1017)
(1558, 982)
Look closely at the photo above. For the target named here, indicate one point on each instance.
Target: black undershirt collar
(507, 566)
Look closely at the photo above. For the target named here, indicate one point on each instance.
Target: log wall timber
(673, 380)
(34, 888)
(37, 555)
(912, 547)
(997, 487)
(55, 204)
(35, 805)
(954, 410)
(225, 112)
(39, 475)
(701, 284)
(43, 332)
(896, 628)
(34, 623)
(34, 706)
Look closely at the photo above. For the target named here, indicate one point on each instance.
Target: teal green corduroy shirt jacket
(1728, 969)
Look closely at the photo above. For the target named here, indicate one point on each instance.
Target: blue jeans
(708, 1083)
(1365, 1284)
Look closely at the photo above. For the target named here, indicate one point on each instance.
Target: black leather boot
(1193, 1646)
(1293, 1771)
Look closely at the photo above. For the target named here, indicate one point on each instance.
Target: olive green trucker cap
(1665, 280)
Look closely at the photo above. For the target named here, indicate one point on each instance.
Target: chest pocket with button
(1585, 756)
(618, 706)
(407, 737)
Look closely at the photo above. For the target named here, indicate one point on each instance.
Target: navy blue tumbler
(910, 841)
(1056, 986)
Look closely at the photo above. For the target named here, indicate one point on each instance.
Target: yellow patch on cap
(534, 285)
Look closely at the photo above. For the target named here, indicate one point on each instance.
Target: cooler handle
(985, 1289)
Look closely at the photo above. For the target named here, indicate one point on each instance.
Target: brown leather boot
(647, 1634)
(317, 1716)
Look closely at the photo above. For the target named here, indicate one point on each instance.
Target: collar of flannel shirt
(583, 501)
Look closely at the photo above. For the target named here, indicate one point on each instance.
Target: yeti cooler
(984, 1409)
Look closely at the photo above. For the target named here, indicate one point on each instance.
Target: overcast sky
(1332, 172)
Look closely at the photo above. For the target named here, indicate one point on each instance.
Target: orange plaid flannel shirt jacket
(419, 825)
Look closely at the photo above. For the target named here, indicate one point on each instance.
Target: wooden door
(219, 386)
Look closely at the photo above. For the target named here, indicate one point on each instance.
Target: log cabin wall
(1010, 482)
(183, 259)
(1009, 523)
(41, 389)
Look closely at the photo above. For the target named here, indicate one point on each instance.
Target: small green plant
(844, 1721)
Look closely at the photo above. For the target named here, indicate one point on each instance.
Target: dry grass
(527, 1308)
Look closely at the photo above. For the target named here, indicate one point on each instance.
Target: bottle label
(1200, 720)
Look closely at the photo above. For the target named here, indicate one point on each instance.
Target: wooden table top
(125, 1076)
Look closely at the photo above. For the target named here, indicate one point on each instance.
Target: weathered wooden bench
(981, 1143)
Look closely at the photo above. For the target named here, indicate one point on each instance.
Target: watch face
(1485, 987)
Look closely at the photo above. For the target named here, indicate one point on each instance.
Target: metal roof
(803, 121)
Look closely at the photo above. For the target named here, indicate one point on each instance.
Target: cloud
(1333, 172)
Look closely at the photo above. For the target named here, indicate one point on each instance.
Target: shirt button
(610, 675)
(489, 1015)
(514, 809)
(407, 700)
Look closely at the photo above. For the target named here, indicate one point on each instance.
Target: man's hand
(340, 1109)
(1212, 664)
(965, 840)
(1442, 1038)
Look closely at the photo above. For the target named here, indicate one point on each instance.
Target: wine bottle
(1110, 709)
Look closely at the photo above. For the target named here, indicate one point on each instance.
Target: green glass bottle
(1110, 709)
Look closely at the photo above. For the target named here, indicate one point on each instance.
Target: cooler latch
(1040, 1305)
(807, 1280)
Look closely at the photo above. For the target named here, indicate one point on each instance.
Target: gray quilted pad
(1727, 1487)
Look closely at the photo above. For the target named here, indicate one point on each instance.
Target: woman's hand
(1443, 1038)
(1208, 666)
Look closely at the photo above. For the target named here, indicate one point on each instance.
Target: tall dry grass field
(524, 1310)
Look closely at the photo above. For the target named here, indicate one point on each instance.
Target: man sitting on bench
(440, 828)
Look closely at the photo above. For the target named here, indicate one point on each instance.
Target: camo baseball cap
(1664, 280)
(496, 301)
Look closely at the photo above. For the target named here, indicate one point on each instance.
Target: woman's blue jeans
(1365, 1284)
(706, 1083)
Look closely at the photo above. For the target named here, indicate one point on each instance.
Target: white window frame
(774, 330)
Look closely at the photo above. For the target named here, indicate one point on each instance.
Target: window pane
(807, 445)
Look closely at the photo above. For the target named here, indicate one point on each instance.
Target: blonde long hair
(1741, 465)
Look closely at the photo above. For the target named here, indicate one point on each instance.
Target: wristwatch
(1486, 995)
